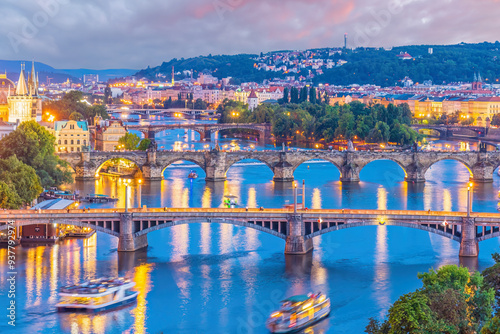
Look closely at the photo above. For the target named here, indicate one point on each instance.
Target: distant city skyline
(132, 34)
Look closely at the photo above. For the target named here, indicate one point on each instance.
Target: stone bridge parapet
(216, 163)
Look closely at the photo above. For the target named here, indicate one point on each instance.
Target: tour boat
(192, 175)
(299, 312)
(97, 295)
(79, 232)
(230, 201)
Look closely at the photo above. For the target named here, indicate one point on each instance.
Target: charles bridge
(296, 227)
(215, 163)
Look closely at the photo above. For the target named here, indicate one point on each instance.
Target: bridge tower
(127, 241)
(469, 246)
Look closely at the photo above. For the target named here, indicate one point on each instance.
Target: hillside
(13, 67)
(447, 63)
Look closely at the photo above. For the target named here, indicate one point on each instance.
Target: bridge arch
(451, 157)
(102, 162)
(248, 159)
(387, 174)
(198, 163)
(402, 224)
(235, 222)
(66, 222)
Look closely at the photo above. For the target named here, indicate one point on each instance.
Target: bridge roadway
(215, 163)
(297, 229)
(205, 130)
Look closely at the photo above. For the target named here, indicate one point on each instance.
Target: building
(6, 128)
(7, 88)
(108, 133)
(253, 100)
(25, 104)
(71, 136)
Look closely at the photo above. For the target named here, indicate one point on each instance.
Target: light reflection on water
(204, 277)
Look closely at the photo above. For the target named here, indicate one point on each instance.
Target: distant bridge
(185, 111)
(446, 131)
(297, 228)
(205, 130)
(215, 163)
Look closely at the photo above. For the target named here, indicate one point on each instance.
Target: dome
(5, 83)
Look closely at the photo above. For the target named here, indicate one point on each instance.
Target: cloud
(135, 34)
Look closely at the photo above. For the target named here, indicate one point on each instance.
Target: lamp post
(469, 198)
(139, 193)
(294, 197)
(127, 184)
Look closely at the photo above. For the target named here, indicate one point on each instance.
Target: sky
(134, 34)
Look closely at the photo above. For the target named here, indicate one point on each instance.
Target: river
(209, 278)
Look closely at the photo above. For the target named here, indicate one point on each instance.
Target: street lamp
(127, 184)
(139, 193)
(469, 198)
(294, 197)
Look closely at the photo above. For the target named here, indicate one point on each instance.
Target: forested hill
(450, 63)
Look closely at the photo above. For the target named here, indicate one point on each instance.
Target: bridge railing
(257, 210)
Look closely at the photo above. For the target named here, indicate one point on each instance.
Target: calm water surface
(208, 278)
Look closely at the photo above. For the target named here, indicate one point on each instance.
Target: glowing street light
(469, 198)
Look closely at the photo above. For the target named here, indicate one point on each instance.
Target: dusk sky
(134, 34)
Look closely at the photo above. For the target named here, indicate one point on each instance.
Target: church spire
(21, 88)
(479, 79)
(33, 89)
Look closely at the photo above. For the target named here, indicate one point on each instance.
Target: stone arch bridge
(283, 164)
(205, 130)
(296, 228)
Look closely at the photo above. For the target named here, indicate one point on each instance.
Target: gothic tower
(25, 104)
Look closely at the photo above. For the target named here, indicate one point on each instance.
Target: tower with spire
(477, 84)
(25, 104)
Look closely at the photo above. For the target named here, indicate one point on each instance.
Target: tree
(492, 326)
(294, 95)
(144, 144)
(285, 98)
(346, 125)
(9, 199)
(200, 104)
(409, 314)
(75, 116)
(130, 141)
(312, 95)
(495, 120)
(19, 184)
(34, 146)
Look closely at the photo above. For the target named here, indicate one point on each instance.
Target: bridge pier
(482, 173)
(349, 173)
(127, 241)
(469, 246)
(85, 169)
(206, 135)
(215, 166)
(283, 172)
(415, 174)
(296, 243)
(151, 170)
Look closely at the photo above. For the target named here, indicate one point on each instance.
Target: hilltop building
(24, 103)
(7, 88)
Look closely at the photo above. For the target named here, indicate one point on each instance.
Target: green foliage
(75, 116)
(130, 141)
(409, 314)
(492, 326)
(19, 184)
(450, 301)
(495, 120)
(317, 121)
(144, 144)
(34, 146)
(70, 104)
(200, 104)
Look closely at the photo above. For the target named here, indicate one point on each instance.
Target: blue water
(208, 278)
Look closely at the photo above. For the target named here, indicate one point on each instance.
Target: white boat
(299, 312)
(97, 295)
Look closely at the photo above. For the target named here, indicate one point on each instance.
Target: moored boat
(97, 295)
(299, 312)
(193, 175)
